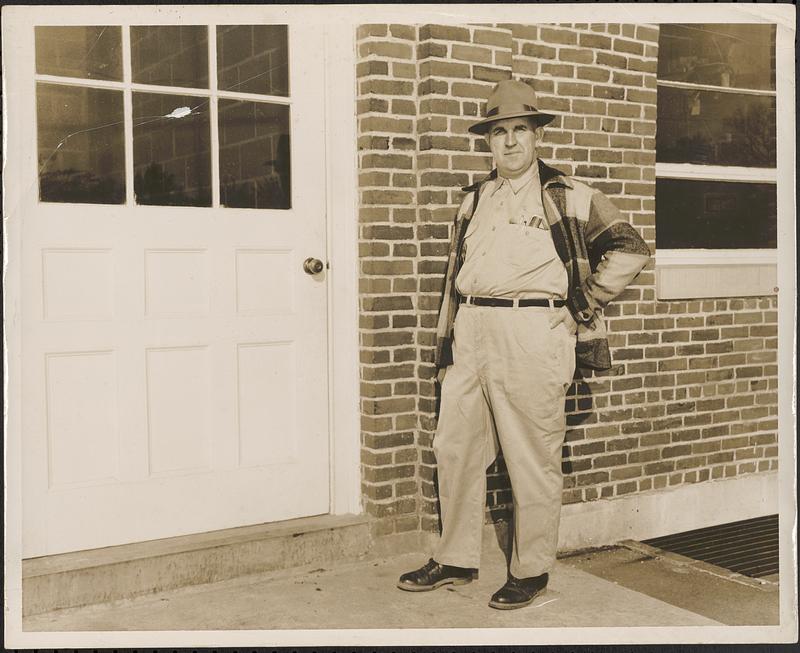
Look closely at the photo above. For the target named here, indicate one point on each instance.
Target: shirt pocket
(528, 247)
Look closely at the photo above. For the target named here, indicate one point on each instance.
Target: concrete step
(100, 575)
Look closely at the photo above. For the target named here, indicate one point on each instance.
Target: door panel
(174, 355)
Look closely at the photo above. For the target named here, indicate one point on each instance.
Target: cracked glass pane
(253, 59)
(696, 214)
(171, 150)
(85, 52)
(740, 56)
(170, 55)
(254, 165)
(715, 128)
(81, 144)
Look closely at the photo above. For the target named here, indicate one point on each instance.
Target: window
(173, 99)
(716, 227)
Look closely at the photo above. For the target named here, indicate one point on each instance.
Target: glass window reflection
(254, 155)
(711, 128)
(732, 55)
(253, 59)
(81, 144)
(170, 55)
(171, 150)
(87, 52)
(715, 215)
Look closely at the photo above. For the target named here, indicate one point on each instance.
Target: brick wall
(694, 394)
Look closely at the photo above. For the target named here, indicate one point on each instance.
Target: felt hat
(510, 99)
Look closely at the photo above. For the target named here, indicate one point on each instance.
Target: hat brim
(483, 126)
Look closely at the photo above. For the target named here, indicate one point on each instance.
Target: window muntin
(173, 135)
(716, 123)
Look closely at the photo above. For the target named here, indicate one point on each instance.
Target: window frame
(128, 87)
(708, 273)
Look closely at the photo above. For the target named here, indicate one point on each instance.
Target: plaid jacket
(601, 252)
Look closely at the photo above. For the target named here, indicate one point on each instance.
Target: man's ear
(538, 133)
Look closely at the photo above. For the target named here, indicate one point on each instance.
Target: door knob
(313, 266)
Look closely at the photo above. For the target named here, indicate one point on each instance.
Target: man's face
(513, 144)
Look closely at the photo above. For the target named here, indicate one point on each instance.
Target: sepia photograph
(410, 325)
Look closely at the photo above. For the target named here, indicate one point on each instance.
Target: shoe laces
(430, 566)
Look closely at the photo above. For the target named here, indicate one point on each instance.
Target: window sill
(705, 273)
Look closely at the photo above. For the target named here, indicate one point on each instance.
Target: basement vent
(748, 547)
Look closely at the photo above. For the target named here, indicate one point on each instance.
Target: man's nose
(511, 139)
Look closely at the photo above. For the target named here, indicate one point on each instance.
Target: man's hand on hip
(563, 315)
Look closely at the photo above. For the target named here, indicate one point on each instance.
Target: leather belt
(509, 303)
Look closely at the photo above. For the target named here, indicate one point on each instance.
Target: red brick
(443, 33)
(538, 51)
(612, 60)
(372, 67)
(490, 74)
(471, 53)
(385, 49)
(563, 36)
(594, 41)
(365, 31)
(630, 47)
(576, 55)
(608, 92)
(386, 87)
(593, 73)
(435, 68)
(645, 33)
(490, 37)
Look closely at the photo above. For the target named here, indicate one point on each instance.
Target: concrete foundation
(102, 575)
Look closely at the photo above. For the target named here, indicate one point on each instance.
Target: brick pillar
(388, 285)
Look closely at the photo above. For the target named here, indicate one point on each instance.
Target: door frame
(341, 166)
(342, 242)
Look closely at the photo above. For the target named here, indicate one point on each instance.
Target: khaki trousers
(507, 382)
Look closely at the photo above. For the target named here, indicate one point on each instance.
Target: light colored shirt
(509, 249)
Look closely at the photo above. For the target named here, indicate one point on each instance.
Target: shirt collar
(518, 183)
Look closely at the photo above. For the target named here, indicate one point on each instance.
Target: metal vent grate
(748, 547)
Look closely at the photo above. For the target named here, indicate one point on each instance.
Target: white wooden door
(171, 173)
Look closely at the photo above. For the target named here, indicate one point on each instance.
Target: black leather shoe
(518, 592)
(433, 575)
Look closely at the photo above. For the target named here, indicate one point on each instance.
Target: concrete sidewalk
(363, 595)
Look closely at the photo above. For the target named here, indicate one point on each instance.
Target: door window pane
(715, 215)
(171, 150)
(711, 128)
(85, 52)
(170, 55)
(253, 59)
(254, 163)
(81, 147)
(741, 56)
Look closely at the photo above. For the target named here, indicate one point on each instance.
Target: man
(534, 258)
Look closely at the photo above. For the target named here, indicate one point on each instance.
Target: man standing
(534, 257)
